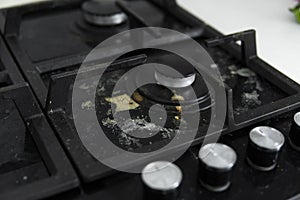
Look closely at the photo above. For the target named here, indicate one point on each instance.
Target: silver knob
(161, 179)
(294, 136)
(263, 147)
(216, 164)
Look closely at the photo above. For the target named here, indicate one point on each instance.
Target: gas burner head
(157, 93)
(172, 88)
(174, 82)
(103, 13)
(183, 75)
(101, 19)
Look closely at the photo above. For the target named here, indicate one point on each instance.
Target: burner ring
(174, 82)
(157, 93)
(103, 13)
(113, 20)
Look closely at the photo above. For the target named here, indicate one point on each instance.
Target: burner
(175, 87)
(101, 19)
(173, 79)
(103, 13)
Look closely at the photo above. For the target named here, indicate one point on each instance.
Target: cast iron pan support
(248, 39)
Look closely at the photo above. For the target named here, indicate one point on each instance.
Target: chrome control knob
(216, 165)
(294, 136)
(263, 147)
(161, 180)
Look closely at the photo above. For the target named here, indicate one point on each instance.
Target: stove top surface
(48, 135)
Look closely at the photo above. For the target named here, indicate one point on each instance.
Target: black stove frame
(93, 173)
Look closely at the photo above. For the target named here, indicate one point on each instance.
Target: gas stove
(46, 47)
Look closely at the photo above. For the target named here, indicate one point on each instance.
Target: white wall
(11, 3)
(277, 31)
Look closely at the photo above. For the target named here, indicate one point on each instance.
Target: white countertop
(278, 33)
(13, 3)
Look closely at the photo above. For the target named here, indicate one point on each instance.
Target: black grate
(32, 163)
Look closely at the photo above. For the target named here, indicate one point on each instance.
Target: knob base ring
(294, 146)
(215, 188)
(260, 168)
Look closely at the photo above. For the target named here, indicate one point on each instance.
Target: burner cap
(103, 13)
(157, 93)
(163, 95)
(183, 75)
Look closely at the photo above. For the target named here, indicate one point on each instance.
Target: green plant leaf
(296, 12)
